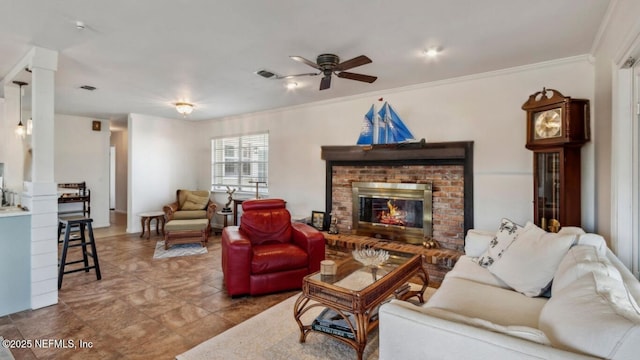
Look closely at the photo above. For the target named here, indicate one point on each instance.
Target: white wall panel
(82, 154)
(162, 159)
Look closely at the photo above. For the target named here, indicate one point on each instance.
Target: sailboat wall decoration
(385, 127)
(366, 133)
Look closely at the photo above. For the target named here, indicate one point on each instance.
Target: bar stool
(83, 224)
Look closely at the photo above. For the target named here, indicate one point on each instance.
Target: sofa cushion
(529, 263)
(594, 240)
(506, 234)
(277, 257)
(493, 304)
(189, 214)
(466, 268)
(194, 202)
(477, 242)
(593, 315)
(579, 261)
(523, 332)
(266, 225)
(189, 224)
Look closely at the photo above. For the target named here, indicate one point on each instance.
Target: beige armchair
(190, 204)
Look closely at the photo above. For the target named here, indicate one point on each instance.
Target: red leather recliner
(268, 253)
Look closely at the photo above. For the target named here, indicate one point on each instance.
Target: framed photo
(317, 220)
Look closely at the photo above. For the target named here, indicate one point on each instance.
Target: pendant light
(20, 130)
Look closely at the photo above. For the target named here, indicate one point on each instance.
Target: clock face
(547, 124)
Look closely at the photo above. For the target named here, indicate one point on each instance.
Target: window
(240, 162)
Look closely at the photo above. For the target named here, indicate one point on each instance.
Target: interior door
(636, 169)
(112, 177)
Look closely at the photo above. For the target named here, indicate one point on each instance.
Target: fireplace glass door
(394, 211)
(390, 211)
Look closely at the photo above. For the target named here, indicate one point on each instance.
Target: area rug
(5, 354)
(178, 250)
(274, 335)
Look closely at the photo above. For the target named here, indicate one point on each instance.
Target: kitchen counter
(7, 211)
(15, 260)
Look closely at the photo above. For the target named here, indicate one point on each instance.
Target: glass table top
(352, 275)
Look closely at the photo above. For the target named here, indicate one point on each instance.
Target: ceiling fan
(328, 64)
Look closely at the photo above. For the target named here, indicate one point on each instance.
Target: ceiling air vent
(265, 73)
(88, 87)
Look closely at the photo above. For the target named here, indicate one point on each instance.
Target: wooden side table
(225, 216)
(236, 203)
(145, 221)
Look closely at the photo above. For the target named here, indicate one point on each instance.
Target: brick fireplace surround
(448, 166)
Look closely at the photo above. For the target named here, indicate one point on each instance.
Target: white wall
(82, 154)
(12, 148)
(615, 154)
(162, 159)
(485, 108)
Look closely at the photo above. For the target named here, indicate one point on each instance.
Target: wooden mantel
(418, 153)
(453, 151)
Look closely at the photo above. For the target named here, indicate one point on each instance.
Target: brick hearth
(437, 262)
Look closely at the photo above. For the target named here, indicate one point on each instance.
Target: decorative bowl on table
(371, 257)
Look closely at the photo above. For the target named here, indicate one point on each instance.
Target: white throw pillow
(593, 315)
(529, 264)
(477, 242)
(506, 234)
(467, 268)
(571, 230)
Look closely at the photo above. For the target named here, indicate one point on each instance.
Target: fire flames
(395, 216)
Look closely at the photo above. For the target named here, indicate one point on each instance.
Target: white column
(41, 191)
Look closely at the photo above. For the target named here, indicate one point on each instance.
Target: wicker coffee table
(353, 290)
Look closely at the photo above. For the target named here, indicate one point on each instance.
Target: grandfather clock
(557, 127)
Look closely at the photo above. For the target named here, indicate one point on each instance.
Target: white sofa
(592, 311)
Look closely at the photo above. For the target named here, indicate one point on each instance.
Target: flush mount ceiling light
(431, 52)
(292, 85)
(184, 108)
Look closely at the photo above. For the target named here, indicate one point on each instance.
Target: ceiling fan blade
(358, 77)
(305, 61)
(325, 83)
(356, 61)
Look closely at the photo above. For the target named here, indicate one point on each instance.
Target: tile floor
(141, 309)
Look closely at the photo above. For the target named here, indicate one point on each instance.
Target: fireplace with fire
(394, 211)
